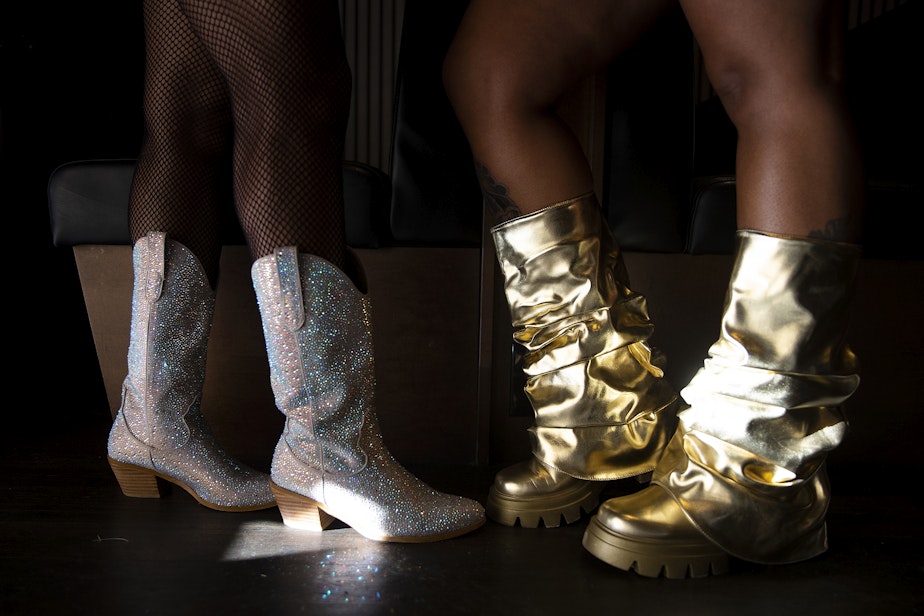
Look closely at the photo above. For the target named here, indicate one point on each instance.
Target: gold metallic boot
(159, 434)
(744, 475)
(603, 409)
(330, 460)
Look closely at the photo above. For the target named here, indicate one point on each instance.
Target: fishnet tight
(245, 101)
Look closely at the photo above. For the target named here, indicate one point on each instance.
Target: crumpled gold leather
(603, 409)
(746, 464)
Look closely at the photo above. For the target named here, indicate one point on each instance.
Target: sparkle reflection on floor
(344, 565)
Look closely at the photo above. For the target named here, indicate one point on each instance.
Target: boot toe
(461, 515)
(648, 532)
(532, 479)
(649, 514)
(533, 494)
(440, 517)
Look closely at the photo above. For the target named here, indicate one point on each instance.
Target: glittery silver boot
(159, 435)
(330, 461)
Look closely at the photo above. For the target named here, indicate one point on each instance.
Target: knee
(756, 94)
(734, 83)
(759, 88)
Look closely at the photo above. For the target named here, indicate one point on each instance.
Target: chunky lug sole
(671, 559)
(139, 482)
(548, 510)
(303, 513)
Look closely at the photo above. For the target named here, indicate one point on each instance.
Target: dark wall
(884, 87)
(70, 88)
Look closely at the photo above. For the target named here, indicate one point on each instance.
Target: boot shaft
(781, 366)
(318, 332)
(172, 307)
(603, 409)
(787, 305)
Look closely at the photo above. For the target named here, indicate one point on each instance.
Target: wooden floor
(72, 544)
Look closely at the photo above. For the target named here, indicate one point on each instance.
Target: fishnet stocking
(251, 95)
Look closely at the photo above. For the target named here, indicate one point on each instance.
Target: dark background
(70, 89)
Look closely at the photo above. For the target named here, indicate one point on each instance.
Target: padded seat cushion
(88, 204)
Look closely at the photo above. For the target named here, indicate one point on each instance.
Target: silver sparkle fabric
(159, 426)
(318, 333)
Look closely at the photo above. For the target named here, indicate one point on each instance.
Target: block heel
(299, 511)
(138, 482)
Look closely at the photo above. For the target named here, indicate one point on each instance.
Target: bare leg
(508, 66)
(774, 67)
